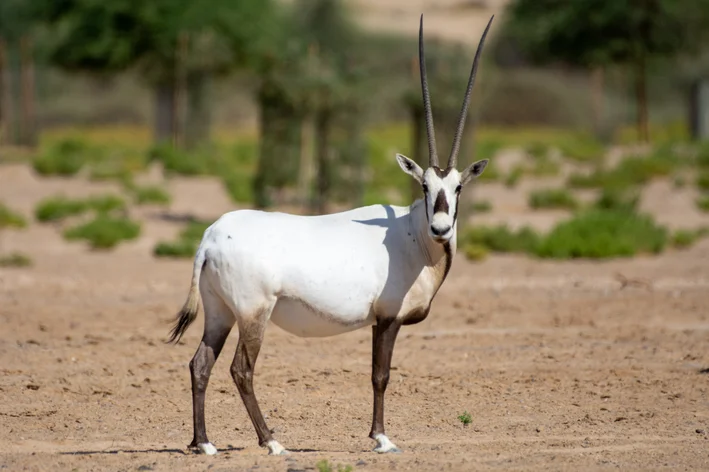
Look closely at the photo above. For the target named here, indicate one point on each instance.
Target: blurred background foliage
(294, 103)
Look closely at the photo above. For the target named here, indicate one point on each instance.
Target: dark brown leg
(242, 370)
(383, 338)
(201, 368)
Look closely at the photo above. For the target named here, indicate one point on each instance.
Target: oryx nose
(440, 231)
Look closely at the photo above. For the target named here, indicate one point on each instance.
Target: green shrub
(465, 418)
(10, 219)
(187, 242)
(474, 252)
(104, 231)
(602, 234)
(500, 238)
(582, 149)
(631, 171)
(106, 203)
(65, 158)
(616, 199)
(239, 186)
(15, 259)
(58, 208)
(703, 180)
(703, 203)
(514, 176)
(553, 198)
(684, 238)
(482, 206)
(178, 161)
(151, 195)
(180, 248)
(545, 167)
(538, 150)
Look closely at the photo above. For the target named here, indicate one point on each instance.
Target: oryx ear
(473, 171)
(410, 167)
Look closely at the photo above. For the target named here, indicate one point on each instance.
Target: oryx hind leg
(218, 321)
(251, 332)
(383, 339)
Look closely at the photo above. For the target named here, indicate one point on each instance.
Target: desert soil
(561, 365)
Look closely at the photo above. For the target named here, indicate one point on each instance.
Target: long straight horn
(453, 158)
(432, 154)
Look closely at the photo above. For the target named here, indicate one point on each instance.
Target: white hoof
(384, 445)
(207, 448)
(275, 448)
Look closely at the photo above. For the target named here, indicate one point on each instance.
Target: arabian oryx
(315, 276)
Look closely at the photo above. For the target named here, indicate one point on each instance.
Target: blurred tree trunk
(305, 174)
(180, 103)
(5, 96)
(198, 119)
(598, 99)
(641, 99)
(322, 152)
(28, 126)
(164, 111)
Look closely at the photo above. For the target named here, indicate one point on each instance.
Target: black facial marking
(441, 204)
(449, 260)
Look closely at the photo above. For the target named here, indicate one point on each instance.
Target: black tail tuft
(183, 321)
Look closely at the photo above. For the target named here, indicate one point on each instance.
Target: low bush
(500, 238)
(599, 234)
(150, 195)
(15, 259)
(616, 199)
(10, 219)
(104, 231)
(553, 199)
(685, 238)
(514, 176)
(703, 203)
(58, 208)
(703, 180)
(481, 206)
(187, 242)
(64, 158)
(239, 186)
(632, 171)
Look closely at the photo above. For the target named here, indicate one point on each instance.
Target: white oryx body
(377, 266)
(327, 274)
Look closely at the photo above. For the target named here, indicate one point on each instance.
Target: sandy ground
(560, 365)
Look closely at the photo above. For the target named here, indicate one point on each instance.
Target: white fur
(275, 448)
(324, 275)
(207, 449)
(384, 444)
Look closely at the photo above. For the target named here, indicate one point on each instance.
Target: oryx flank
(377, 266)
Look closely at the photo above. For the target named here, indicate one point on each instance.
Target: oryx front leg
(383, 338)
(242, 370)
(217, 325)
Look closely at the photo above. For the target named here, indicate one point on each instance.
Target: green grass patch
(553, 199)
(703, 180)
(617, 199)
(59, 208)
(15, 259)
(481, 206)
(703, 203)
(632, 171)
(10, 219)
(500, 239)
(515, 175)
(104, 231)
(64, 158)
(684, 238)
(186, 244)
(151, 195)
(465, 418)
(598, 234)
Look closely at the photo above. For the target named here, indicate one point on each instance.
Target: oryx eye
(425, 188)
(458, 188)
